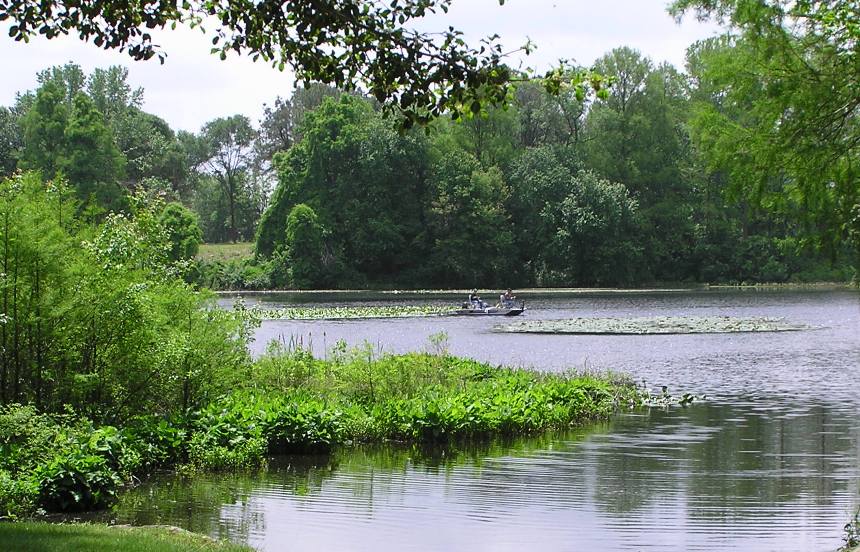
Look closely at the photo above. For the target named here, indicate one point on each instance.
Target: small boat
(502, 310)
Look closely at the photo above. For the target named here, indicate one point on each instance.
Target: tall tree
(45, 131)
(182, 231)
(615, 120)
(467, 222)
(70, 78)
(281, 123)
(304, 246)
(11, 140)
(225, 152)
(638, 137)
(365, 182)
(91, 160)
(786, 130)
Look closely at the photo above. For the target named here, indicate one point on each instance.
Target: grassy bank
(51, 537)
(293, 402)
(225, 251)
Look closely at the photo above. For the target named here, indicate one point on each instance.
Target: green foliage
(780, 117)
(420, 75)
(237, 274)
(71, 138)
(91, 160)
(293, 402)
(223, 154)
(435, 397)
(44, 131)
(304, 247)
(97, 317)
(182, 230)
(213, 208)
(11, 140)
(59, 465)
(341, 313)
(467, 222)
(364, 182)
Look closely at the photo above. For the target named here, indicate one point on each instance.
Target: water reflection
(711, 477)
(770, 462)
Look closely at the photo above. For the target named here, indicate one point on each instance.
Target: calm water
(771, 461)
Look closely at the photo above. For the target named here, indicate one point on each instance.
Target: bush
(183, 231)
(292, 402)
(422, 396)
(235, 274)
(111, 328)
(49, 463)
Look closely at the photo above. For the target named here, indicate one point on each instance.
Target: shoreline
(823, 286)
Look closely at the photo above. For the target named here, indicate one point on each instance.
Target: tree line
(558, 188)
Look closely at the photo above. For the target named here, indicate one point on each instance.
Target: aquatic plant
(294, 402)
(346, 312)
(852, 533)
(665, 399)
(652, 325)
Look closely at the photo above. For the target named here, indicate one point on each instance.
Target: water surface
(771, 461)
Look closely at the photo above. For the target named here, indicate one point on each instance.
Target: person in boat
(506, 300)
(475, 300)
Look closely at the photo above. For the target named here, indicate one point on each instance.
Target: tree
(111, 93)
(539, 180)
(224, 150)
(304, 246)
(786, 129)
(94, 317)
(281, 123)
(546, 118)
(366, 183)
(183, 231)
(334, 43)
(11, 140)
(490, 136)
(596, 236)
(70, 78)
(75, 143)
(45, 131)
(618, 119)
(467, 222)
(343, 44)
(91, 160)
(572, 227)
(147, 143)
(639, 138)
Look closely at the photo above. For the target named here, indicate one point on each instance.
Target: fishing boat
(500, 310)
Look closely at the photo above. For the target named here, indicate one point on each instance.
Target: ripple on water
(770, 462)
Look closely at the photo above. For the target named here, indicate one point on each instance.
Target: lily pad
(345, 313)
(652, 325)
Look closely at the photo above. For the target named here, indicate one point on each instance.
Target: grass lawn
(84, 537)
(225, 251)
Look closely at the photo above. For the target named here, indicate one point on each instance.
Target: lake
(769, 461)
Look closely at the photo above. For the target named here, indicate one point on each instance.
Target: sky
(194, 86)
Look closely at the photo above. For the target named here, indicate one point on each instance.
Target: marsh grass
(432, 397)
(293, 402)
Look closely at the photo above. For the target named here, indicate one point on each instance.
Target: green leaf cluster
(97, 316)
